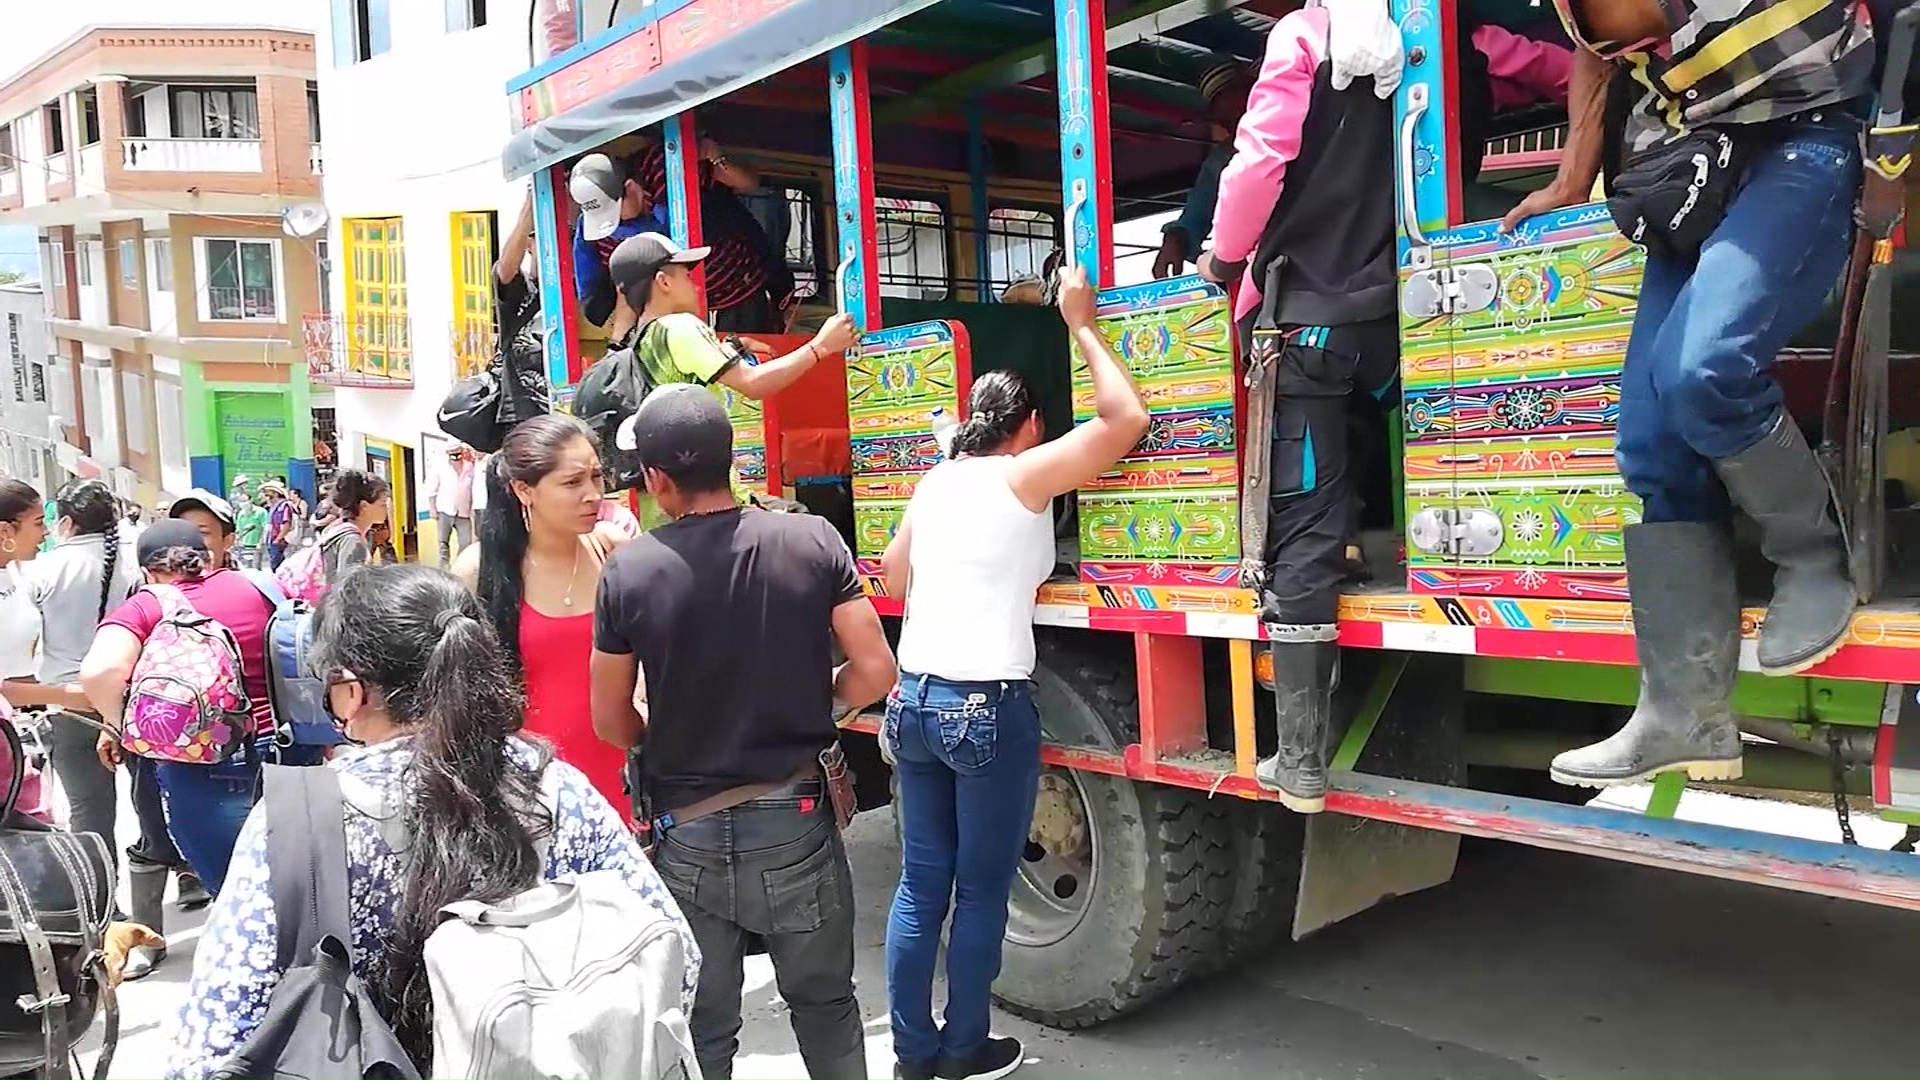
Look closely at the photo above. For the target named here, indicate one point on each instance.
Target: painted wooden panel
(1511, 410)
(1169, 512)
(895, 379)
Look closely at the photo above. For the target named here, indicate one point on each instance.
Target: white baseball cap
(597, 186)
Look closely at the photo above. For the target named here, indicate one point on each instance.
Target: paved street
(1530, 964)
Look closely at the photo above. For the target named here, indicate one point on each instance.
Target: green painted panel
(254, 435)
(1833, 701)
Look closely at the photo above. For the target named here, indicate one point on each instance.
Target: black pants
(773, 868)
(155, 847)
(754, 315)
(1314, 499)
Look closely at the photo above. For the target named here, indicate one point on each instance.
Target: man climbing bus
(1305, 220)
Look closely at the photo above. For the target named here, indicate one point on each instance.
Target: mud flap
(1406, 727)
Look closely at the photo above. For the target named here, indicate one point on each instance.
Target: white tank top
(978, 557)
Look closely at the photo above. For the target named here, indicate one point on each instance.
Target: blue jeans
(967, 756)
(1698, 383)
(207, 805)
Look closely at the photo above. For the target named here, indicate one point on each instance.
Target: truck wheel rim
(1055, 882)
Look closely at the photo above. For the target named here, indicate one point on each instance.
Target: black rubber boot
(1686, 626)
(1780, 484)
(147, 905)
(1306, 668)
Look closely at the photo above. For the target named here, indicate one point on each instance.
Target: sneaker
(907, 1070)
(996, 1058)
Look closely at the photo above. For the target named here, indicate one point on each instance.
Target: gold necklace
(572, 576)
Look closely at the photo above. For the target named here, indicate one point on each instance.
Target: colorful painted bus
(920, 158)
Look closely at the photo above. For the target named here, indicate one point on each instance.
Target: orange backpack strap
(597, 549)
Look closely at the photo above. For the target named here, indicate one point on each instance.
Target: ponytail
(417, 639)
(999, 404)
(503, 548)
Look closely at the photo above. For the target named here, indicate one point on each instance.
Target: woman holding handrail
(975, 544)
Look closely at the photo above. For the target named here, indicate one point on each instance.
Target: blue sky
(17, 251)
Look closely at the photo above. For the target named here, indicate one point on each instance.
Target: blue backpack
(296, 691)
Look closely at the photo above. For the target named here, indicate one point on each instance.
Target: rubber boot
(1686, 626)
(1306, 668)
(147, 904)
(1780, 484)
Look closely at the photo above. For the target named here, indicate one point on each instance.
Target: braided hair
(92, 507)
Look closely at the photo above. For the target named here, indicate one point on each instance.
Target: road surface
(1530, 963)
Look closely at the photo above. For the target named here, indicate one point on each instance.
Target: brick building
(155, 164)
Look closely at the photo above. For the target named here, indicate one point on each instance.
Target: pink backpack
(304, 575)
(185, 701)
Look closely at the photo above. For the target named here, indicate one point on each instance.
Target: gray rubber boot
(146, 905)
(1781, 486)
(1306, 668)
(1686, 626)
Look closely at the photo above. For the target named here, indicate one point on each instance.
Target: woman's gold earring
(8, 545)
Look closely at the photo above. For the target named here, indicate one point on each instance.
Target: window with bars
(379, 331)
(19, 380)
(83, 262)
(214, 112)
(7, 152)
(473, 328)
(1019, 241)
(89, 116)
(803, 247)
(912, 240)
(37, 382)
(13, 337)
(55, 119)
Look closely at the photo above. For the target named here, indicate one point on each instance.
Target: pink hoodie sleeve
(1524, 71)
(1269, 134)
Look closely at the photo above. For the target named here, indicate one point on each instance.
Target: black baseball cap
(171, 533)
(641, 256)
(681, 429)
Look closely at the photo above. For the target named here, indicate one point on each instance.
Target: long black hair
(353, 489)
(92, 507)
(530, 451)
(999, 404)
(417, 638)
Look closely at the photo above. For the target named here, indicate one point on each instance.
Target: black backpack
(471, 412)
(321, 1020)
(608, 393)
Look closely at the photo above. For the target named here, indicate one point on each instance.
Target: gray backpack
(578, 977)
(321, 1020)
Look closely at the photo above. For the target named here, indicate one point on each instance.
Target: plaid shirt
(737, 266)
(1737, 62)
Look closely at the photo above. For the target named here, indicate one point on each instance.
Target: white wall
(162, 316)
(25, 420)
(441, 99)
(93, 293)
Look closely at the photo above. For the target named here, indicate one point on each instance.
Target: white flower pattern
(235, 964)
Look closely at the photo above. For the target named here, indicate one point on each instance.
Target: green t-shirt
(251, 526)
(682, 348)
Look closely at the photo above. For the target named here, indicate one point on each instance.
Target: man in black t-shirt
(732, 614)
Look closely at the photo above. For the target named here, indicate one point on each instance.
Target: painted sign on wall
(253, 433)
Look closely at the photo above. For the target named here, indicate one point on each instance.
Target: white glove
(1363, 40)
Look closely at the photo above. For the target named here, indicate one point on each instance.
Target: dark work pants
(155, 846)
(1313, 506)
(754, 315)
(774, 867)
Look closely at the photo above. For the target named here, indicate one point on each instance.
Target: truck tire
(1269, 842)
(1144, 912)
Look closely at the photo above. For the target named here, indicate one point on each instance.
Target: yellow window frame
(473, 257)
(379, 338)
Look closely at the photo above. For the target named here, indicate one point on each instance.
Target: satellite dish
(303, 220)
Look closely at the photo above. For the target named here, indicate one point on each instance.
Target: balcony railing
(144, 154)
(368, 351)
(252, 303)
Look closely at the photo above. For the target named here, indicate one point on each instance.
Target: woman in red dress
(536, 569)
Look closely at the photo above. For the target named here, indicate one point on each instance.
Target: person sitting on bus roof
(1783, 86)
(612, 207)
(1306, 221)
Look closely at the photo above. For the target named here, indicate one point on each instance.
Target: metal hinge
(1449, 290)
(1449, 530)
